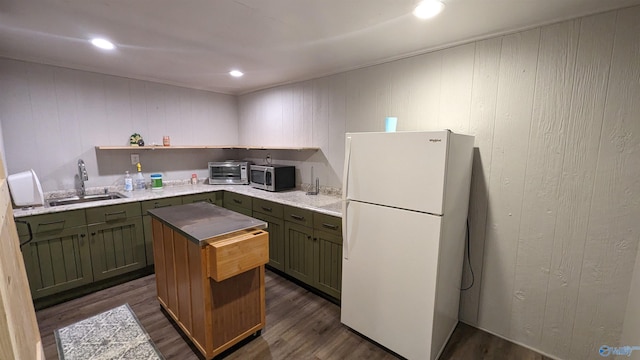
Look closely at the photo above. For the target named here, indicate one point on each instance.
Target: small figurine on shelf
(136, 140)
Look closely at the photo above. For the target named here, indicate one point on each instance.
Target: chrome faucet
(82, 174)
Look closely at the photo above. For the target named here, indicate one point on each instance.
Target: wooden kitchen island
(209, 265)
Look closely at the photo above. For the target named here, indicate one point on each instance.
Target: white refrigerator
(406, 197)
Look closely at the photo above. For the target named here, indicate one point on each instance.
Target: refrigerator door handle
(345, 238)
(347, 164)
(345, 198)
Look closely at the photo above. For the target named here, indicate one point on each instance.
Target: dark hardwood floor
(300, 325)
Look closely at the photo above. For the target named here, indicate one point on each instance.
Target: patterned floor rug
(113, 334)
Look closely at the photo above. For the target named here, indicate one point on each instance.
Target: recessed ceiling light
(103, 44)
(428, 8)
(236, 73)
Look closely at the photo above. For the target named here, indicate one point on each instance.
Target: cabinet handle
(297, 217)
(93, 234)
(330, 226)
(237, 201)
(117, 214)
(315, 239)
(267, 209)
(158, 205)
(82, 235)
(52, 223)
(50, 226)
(28, 229)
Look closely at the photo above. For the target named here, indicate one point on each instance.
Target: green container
(156, 181)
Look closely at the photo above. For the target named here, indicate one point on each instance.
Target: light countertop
(326, 204)
(202, 222)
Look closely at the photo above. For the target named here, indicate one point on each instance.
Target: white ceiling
(194, 43)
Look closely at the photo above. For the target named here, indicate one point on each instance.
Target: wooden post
(19, 333)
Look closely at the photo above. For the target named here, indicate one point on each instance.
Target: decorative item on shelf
(166, 140)
(194, 179)
(390, 124)
(136, 140)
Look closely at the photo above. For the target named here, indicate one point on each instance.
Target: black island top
(202, 222)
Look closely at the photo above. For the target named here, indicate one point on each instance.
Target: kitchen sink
(84, 199)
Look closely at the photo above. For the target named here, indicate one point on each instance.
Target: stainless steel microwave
(229, 172)
(273, 177)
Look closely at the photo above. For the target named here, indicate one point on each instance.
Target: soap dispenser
(139, 178)
(128, 181)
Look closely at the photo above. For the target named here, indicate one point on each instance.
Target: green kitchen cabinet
(116, 240)
(327, 235)
(238, 203)
(58, 257)
(271, 213)
(146, 221)
(299, 252)
(313, 249)
(214, 198)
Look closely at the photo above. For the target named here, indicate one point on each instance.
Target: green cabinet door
(276, 240)
(328, 263)
(299, 250)
(57, 261)
(238, 203)
(117, 248)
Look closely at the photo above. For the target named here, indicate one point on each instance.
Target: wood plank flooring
(300, 325)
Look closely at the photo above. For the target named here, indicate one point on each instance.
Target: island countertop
(202, 222)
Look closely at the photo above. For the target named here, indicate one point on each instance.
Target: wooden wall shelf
(220, 147)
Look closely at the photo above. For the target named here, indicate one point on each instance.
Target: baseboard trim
(513, 341)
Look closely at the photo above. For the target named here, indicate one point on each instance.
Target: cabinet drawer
(327, 223)
(214, 198)
(234, 199)
(52, 222)
(298, 216)
(158, 203)
(268, 207)
(237, 253)
(112, 213)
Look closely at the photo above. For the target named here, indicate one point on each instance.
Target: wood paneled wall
(555, 206)
(52, 116)
(631, 329)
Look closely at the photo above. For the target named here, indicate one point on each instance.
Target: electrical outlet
(135, 158)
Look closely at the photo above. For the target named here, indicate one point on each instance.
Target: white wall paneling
(482, 119)
(456, 87)
(548, 132)
(554, 205)
(53, 116)
(516, 85)
(576, 185)
(631, 329)
(613, 229)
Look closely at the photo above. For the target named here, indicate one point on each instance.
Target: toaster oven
(229, 172)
